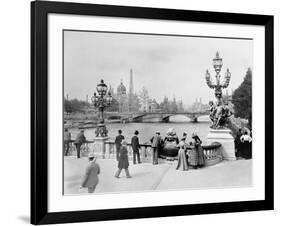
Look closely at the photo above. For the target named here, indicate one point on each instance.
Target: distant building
(144, 101)
(122, 98)
(128, 101)
(131, 93)
(198, 106)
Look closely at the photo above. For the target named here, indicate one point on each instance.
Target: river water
(146, 130)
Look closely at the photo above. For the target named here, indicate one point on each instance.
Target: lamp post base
(224, 137)
(99, 146)
(99, 140)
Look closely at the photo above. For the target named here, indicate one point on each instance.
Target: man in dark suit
(80, 139)
(135, 147)
(156, 143)
(118, 141)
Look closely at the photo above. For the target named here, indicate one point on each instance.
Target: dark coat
(156, 142)
(135, 143)
(201, 156)
(199, 150)
(80, 138)
(123, 162)
(118, 141)
(91, 175)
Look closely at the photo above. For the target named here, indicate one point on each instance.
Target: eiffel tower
(131, 92)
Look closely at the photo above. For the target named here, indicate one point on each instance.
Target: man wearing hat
(80, 139)
(117, 142)
(135, 147)
(156, 143)
(91, 178)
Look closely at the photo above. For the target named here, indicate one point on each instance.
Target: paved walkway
(164, 176)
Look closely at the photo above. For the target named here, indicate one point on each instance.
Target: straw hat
(91, 155)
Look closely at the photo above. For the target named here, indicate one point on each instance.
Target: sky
(172, 66)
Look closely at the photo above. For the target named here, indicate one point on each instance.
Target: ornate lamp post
(219, 112)
(101, 101)
(218, 85)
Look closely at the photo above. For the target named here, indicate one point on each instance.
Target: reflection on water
(147, 130)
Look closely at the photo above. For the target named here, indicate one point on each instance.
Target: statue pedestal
(99, 146)
(224, 137)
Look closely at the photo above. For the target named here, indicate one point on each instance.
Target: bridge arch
(204, 117)
(161, 116)
(167, 117)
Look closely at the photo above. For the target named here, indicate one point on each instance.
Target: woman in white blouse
(246, 145)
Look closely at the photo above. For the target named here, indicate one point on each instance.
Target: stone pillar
(99, 146)
(224, 137)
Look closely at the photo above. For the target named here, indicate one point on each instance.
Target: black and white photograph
(140, 112)
(156, 112)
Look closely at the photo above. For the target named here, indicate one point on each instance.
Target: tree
(242, 98)
(75, 105)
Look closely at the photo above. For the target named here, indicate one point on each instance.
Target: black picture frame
(39, 112)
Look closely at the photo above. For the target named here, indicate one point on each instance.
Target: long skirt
(193, 157)
(201, 157)
(182, 162)
(246, 150)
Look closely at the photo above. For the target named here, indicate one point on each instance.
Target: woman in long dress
(197, 150)
(182, 162)
(193, 156)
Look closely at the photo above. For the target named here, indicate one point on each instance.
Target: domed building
(122, 98)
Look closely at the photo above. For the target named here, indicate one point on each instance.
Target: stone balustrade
(211, 152)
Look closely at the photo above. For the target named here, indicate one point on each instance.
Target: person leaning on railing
(156, 142)
(67, 140)
(80, 139)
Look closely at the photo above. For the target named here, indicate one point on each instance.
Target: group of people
(80, 139)
(243, 144)
(190, 154)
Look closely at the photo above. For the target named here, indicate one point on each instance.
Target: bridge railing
(211, 152)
